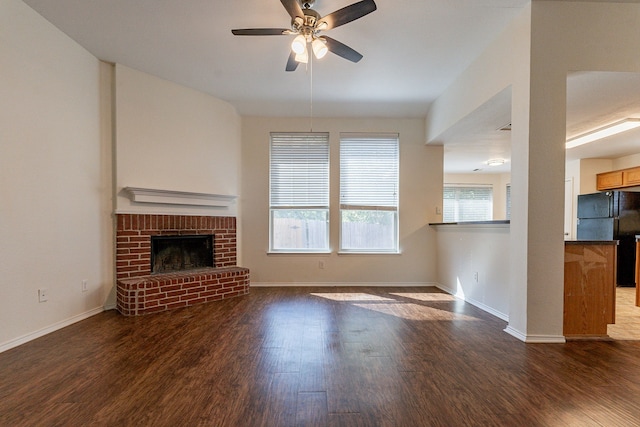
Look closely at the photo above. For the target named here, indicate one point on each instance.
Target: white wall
(469, 92)
(588, 170)
(169, 137)
(498, 181)
(488, 75)
(420, 195)
(471, 265)
(627, 161)
(55, 182)
(58, 173)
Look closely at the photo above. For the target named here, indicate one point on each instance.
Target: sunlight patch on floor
(401, 309)
(351, 296)
(411, 311)
(420, 296)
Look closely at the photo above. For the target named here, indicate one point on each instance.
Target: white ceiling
(413, 50)
(594, 100)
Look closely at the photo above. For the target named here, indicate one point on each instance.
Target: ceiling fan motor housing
(307, 4)
(307, 26)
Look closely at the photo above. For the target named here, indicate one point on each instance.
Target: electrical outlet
(84, 285)
(475, 276)
(43, 295)
(321, 265)
(438, 210)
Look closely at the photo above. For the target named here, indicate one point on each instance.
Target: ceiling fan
(307, 24)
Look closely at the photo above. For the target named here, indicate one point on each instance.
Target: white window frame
(353, 194)
(293, 194)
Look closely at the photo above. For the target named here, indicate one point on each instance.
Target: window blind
(369, 171)
(299, 170)
(466, 202)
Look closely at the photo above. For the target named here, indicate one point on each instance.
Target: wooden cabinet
(631, 176)
(589, 288)
(609, 180)
(618, 179)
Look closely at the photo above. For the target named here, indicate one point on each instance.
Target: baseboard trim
(52, 328)
(475, 303)
(340, 284)
(515, 333)
(535, 339)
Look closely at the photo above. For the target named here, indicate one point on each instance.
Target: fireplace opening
(178, 253)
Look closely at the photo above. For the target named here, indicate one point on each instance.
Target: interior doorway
(596, 99)
(568, 209)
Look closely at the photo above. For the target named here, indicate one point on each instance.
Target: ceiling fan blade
(293, 7)
(349, 13)
(292, 64)
(260, 32)
(342, 50)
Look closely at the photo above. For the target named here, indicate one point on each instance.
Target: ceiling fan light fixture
(302, 57)
(299, 44)
(319, 47)
(306, 24)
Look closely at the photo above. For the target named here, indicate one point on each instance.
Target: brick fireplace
(139, 291)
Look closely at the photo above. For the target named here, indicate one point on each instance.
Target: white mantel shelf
(149, 195)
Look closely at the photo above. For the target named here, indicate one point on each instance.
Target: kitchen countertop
(591, 242)
(495, 222)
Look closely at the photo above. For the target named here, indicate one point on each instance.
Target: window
(508, 215)
(299, 192)
(467, 202)
(369, 173)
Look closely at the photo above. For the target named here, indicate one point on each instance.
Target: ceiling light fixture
(303, 57)
(307, 24)
(299, 44)
(603, 132)
(495, 162)
(319, 47)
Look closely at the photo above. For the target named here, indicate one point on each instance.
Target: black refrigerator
(612, 215)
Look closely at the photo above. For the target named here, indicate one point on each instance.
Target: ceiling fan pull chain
(311, 91)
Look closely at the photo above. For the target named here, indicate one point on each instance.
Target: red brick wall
(140, 292)
(134, 231)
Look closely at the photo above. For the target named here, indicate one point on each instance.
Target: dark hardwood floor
(316, 357)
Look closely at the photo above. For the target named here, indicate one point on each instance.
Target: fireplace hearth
(179, 278)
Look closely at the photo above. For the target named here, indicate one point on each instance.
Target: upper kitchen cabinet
(618, 179)
(609, 180)
(631, 176)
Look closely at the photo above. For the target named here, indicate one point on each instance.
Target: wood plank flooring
(316, 357)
